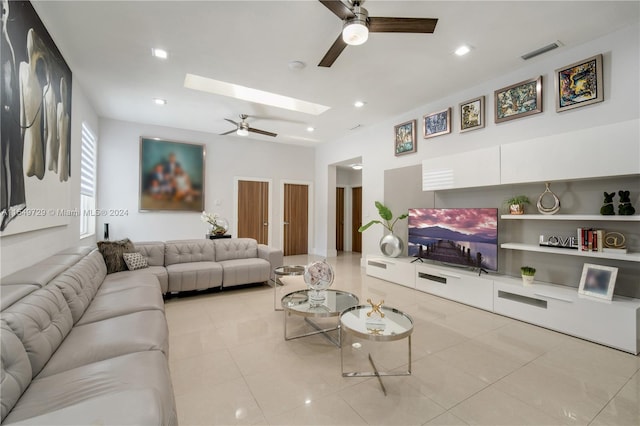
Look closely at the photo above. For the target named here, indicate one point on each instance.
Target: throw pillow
(135, 261)
(112, 253)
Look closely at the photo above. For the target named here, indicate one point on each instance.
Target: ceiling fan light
(242, 132)
(355, 32)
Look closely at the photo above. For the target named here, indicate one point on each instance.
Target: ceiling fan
(243, 128)
(358, 24)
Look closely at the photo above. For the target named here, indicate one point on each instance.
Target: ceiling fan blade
(231, 121)
(334, 51)
(338, 8)
(262, 132)
(229, 132)
(402, 25)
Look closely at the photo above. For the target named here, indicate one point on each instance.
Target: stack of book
(590, 239)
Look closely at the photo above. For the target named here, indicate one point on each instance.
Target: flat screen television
(464, 236)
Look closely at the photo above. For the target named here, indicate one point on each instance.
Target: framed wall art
(472, 114)
(437, 123)
(36, 125)
(579, 84)
(518, 100)
(598, 281)
(405, 138)
(171, 175)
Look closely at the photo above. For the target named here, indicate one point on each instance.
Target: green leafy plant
(528, 271)
(387, 217)
(518, 199)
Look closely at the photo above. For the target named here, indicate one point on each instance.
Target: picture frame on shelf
(171, 175)
(598, 281)
(472, 114)
(579, 84)
(405, 138)
(437, 123)
(518, 100)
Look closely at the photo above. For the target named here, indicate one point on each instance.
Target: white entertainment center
(560, 308)
(613, 323)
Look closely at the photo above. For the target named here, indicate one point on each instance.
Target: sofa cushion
(39, 274)
(85, 344)
(112, 254)
(184, 251)
(153, 251)
(15, 369)
(74, 389)
(245, 271)
(236, 248)
(135, 261)
(148, 277)
(134, 299)
(10, 294)
(80, 283)
(194, 276)
(41, 321)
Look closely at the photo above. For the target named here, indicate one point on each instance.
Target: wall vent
(540, 51)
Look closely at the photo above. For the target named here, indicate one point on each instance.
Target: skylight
(204, 84)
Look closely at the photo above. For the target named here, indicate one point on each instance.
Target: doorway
(296, 219)
(356, 219)
(253, 210)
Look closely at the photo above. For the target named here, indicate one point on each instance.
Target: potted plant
(516, 204)
(391, 245)
(528, 273)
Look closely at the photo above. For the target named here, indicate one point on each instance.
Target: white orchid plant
(212, 219)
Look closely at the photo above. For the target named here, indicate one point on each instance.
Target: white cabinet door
(459, 286)
(465, 170)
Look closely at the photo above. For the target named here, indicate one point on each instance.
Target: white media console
(613, 323)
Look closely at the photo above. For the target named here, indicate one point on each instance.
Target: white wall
(21, 250)
(374, 142)
(227, 158)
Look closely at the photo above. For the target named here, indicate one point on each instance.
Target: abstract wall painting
(579, 84)
(518, 100)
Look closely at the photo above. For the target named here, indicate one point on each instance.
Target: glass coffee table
(283, 271)
(395, 325)
(299, 304)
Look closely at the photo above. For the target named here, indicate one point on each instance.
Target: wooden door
(356, 219)
(340, 219)
(296, 219)
(253, 210)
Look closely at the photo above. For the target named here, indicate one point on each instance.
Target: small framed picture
(405, 138)
(518, 100)
(579, 84)
(472, 114)
(598, 281)
(437, 123)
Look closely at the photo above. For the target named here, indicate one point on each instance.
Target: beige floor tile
(480, 360)
(624, 408)
(429, 337)
(447, 419)
(227, 403)
(493, 407)
(329, 410)
(446, 385)
(474, 322)
(201, 371)
(186, 345)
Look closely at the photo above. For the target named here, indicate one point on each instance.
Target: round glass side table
(283, 271)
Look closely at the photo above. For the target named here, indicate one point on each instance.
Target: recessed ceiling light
(159, 101)
(310, 129)
(217, 87)
(159, 53)
(356, 166)
(462, 50)
(296, 65)
(358, 104)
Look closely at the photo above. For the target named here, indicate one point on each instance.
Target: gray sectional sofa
(80, 346)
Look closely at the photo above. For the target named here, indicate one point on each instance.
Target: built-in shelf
(585, 217)
(629, 257)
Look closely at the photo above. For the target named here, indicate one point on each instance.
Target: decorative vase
(219, 227)
(516, 209)
(391, 245)
(556, 201)
(527, 280)
(318, 276)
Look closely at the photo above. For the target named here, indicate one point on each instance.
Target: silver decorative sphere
(391, 245)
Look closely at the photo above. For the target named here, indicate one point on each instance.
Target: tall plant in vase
(391, 245)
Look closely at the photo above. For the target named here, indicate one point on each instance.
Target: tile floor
(231, 365)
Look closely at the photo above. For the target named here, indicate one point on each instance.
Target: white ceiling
(108, 45)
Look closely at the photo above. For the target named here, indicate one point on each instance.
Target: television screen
(467, 237)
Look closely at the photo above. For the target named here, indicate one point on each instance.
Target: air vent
(540, 51)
